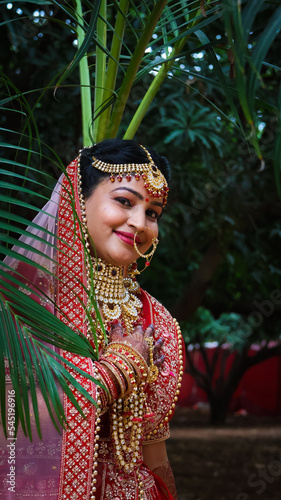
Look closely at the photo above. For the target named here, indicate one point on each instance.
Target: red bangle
(113, 393)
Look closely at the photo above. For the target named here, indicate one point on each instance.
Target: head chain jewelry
(147, 256)
(154, 181)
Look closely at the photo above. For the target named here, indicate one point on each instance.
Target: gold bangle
(132, 375)
(127, 350)
(125, 368)
(139, 374)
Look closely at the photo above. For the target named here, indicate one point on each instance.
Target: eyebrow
(138, 195)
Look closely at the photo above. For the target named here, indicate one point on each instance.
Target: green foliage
(229, 328)
(190, 123)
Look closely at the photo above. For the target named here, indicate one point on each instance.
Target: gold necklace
(116, 296)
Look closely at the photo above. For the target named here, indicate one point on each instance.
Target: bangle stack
(128, 353)
(118, 374)
(111, 393)
(124, 372)
(120, 368)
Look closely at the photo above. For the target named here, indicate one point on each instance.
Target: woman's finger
(149, 331)
(137, 335)
(158, 345)
(138, 330)
(159, 361)
(115, 332)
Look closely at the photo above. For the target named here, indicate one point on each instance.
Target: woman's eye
(124, 201)
(153, 215)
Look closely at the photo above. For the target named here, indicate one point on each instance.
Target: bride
(106, 211)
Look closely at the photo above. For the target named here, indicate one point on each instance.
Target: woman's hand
(156, 459)
(137, 339)
(118, 359)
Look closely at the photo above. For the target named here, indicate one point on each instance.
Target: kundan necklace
(116, 296)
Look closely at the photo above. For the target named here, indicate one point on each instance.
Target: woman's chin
(118, 260)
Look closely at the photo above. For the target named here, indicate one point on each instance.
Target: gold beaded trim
(128, 414)
(96, 444)
(181, 370)
(99, 332)
(154, 180)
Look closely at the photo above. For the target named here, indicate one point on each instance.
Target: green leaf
(86, 42)
(249, 14)
(219, 73)
(259, 52)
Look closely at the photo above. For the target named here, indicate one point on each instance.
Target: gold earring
(149, 255)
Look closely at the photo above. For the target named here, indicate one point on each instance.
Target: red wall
(259, 391)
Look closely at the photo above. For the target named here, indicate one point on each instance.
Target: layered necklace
(116, 296)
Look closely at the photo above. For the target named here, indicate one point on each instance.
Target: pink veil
(37, 244)
(31, 469)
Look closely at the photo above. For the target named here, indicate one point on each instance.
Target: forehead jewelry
(154, 181)
(147, 256)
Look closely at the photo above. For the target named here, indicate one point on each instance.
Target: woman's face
(115, 212)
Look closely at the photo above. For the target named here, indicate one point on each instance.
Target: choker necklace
(116, 296)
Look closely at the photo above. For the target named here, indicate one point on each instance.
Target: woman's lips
(127, 237)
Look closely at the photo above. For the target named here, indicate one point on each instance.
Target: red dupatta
(78, 443)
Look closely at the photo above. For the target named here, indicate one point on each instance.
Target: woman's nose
(137, 219)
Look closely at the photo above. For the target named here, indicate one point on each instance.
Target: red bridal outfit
(81, 463)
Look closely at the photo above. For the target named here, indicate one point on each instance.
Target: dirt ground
(240, 461)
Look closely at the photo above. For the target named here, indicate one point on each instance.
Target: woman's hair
(115, 151)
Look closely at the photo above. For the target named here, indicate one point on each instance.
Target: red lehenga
(61, 467)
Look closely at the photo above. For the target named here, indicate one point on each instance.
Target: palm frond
(260, 50)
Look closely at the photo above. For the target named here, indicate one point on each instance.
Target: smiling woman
(106, 211)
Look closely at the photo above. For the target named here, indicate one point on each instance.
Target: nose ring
(147, 256)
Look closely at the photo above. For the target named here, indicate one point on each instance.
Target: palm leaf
(132, 69)
(166, 65)
(239, 23)
(265, 40)
(171, 23)
(204, 40)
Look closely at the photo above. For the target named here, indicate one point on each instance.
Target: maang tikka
(154, 181)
